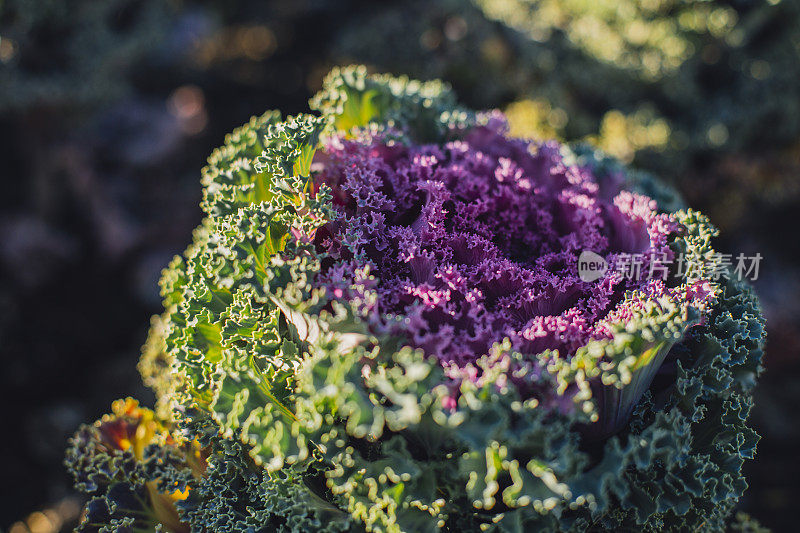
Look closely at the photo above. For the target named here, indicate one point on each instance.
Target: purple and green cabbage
(381, 326)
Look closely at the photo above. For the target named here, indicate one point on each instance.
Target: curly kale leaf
(427, 111)
(133, 470)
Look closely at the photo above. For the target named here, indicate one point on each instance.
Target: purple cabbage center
(478, 240)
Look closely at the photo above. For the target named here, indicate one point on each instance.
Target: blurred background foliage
(108, 110)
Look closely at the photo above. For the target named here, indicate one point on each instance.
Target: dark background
(109, 109)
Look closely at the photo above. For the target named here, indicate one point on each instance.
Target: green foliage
(235, 495)
(729, 61)
(351, 99)
(133, 471)
(669, 84)
(310, 421)
(744, 523)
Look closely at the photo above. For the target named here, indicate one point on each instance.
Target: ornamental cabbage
(382, 325)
